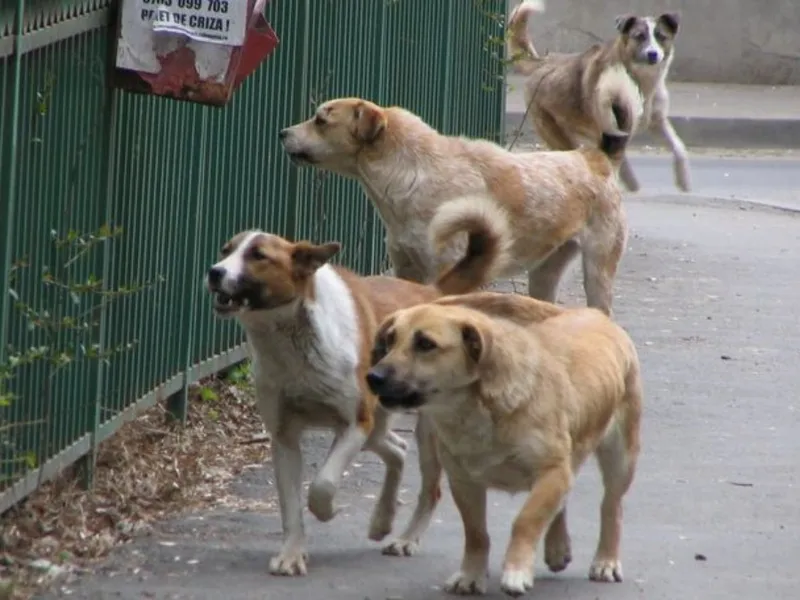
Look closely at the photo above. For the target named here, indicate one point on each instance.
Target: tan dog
(620, 84)
(542, 208)
(310, 327)
(520, 393)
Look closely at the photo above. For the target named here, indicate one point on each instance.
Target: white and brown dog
(619, 84)
(309, 327)
(520, 394)
(430, 189)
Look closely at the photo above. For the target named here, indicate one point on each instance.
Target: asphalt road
(709, 292)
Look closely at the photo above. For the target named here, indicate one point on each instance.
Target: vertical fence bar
(11, 189)
(447, 76)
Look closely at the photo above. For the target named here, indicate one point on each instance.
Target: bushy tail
(519, 47)
(488, 246)
(613, 146)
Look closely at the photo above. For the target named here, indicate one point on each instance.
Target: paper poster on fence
(214, 21)
(154, 29)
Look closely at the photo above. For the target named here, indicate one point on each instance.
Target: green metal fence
(178, 179)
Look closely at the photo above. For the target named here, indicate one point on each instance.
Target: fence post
(88, 462)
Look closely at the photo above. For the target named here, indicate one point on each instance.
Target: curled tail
(613, 146)
(488, 242)
(520, 52)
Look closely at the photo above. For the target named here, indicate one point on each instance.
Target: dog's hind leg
(602, 245)
(627, 176)
(544, 279)
(660, 123)
(429, 494)
(552, 134)
(557, 544)
(382, 442)
(617, 456)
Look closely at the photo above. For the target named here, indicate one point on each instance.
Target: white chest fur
(305, 355)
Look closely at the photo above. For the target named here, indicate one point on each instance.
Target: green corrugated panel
(182, 178)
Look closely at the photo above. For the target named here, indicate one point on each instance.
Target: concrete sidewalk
(705, 115)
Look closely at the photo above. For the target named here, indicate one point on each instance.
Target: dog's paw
(683, 183)
(682, 179)
(401, 547)
(291, 563)
(557, 553)
(398, 441)
(606, 570)
(515, 582)
(320, 500)
(466, 584)
(380, 525)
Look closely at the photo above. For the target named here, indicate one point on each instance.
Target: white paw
(320, 500)
(289, 562)
(466, 584)
(606, 570)
(401, 547)
(515, 582)
(381, 524)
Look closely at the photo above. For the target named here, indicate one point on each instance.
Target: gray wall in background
(720, 41)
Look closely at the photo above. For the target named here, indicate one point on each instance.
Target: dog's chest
(476, 450)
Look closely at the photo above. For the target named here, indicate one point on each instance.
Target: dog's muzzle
(225, 302)
(392, 393)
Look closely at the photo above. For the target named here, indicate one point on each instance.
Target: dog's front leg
(543, 503)
(661, 124)
(429, 494)
(470, 499)
(346, 445)
(287, 462)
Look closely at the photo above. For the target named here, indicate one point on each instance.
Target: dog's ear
(383, 341)
(369, 121)
(624, 23)
(476, 343)
(307, 257)
(670, 21)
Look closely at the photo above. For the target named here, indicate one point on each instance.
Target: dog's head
(336, 133)
(648, 40)
(260, 271)
(421, 355)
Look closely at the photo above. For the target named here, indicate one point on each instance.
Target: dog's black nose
(652, 57)
(378, 379)
(215, 275)
(283, 133)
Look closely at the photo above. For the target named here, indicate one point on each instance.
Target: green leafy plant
(66, 332)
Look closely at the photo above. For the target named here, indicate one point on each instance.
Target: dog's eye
(319, 121)
(660, 36)
(423, 343)
(640, 37)
(226, 249)
(257, 253)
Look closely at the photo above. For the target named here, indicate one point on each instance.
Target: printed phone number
(217, 6)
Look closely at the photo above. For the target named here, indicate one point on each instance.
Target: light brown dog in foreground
(433, 191)
(520, 393)
(619, 84)
(310, 327)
